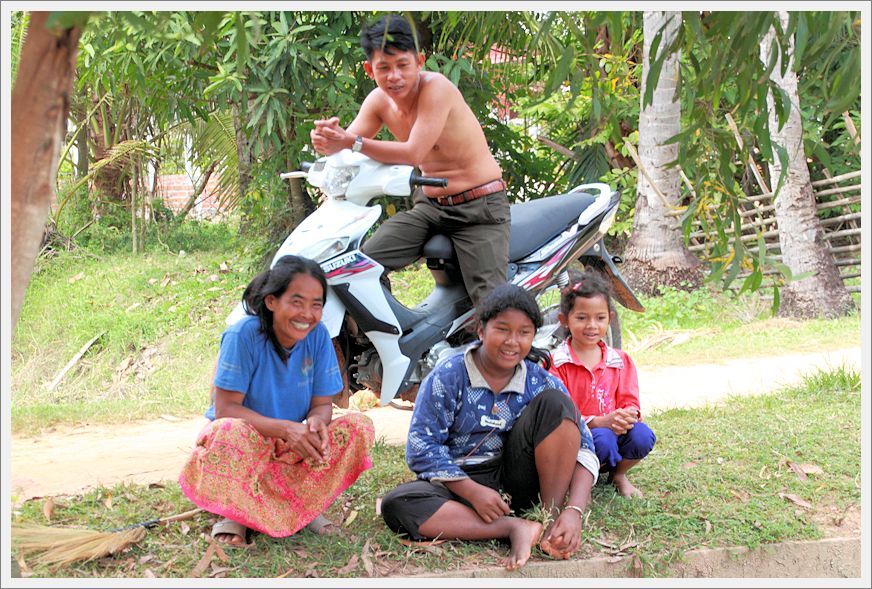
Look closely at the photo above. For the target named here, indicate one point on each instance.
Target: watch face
(358, 144)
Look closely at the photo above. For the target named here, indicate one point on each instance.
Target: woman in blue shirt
(273, 458)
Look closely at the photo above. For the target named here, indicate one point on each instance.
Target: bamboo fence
(837, 199)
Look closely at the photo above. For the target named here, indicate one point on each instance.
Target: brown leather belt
(471, 194)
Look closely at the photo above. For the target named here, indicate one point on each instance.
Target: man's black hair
(390, 33)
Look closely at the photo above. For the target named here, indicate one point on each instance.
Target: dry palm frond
(62, 546)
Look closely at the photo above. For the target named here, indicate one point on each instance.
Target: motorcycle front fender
(606, 263)
(333, 313)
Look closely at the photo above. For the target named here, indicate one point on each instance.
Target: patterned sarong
(259, 482)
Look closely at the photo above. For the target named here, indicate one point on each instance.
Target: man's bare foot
(625, 487)
(523, 537)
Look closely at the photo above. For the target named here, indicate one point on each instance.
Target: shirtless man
(436, 131)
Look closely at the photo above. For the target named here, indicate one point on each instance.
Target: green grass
(160, 316)
(704, 326)
(717, 477)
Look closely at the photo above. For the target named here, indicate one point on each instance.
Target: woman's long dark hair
(511, 296)
(275, 282)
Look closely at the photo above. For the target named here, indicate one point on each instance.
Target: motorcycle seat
(533, 224)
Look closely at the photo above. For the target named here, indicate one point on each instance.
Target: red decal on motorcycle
(543, 273)
(354, 268)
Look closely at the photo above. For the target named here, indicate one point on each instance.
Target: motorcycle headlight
(337, 180)
(325, 249)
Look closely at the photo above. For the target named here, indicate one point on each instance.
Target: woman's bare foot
(227, 531)
(523, 537)
(625, 487)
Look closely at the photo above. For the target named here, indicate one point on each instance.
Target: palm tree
(655, 253)
(801, 236)
(40, 101)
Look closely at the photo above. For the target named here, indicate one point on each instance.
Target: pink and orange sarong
(259, 482)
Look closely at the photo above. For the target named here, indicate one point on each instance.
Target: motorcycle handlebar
(416, 180)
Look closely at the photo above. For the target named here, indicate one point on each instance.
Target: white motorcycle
(389, 348)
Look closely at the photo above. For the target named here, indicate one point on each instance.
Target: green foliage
(677, 308)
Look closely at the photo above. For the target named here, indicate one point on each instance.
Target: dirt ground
(69, 460)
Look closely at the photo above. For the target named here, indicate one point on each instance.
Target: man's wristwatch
(358, 144)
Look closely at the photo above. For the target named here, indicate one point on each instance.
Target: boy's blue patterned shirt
(458, 418)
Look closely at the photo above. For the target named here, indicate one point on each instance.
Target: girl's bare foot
(625, 487)
(523, 537)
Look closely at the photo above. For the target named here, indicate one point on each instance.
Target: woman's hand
(306, 443)
(318, 427)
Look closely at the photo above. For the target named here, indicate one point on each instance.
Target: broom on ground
(62, 546)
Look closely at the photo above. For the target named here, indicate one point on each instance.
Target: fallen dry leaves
(796, 500)
(350, 566)
(803, 470)
(48, 508)
(204, 562)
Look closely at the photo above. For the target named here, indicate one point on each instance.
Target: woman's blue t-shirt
(248, 364)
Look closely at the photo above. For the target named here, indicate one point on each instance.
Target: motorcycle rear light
(607, 221)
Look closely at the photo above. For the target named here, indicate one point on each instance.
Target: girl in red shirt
(601, 380)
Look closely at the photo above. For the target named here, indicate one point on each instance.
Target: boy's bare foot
(625, 487)
(523, 537)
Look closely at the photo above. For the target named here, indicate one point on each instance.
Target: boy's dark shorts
(409, 505)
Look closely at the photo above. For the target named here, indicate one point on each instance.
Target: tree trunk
(800, 234)
(655, 253)
(198, 190)
(40, 103)
(243, 149)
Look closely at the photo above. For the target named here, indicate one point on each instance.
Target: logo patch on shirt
(488, 421)
(306, 366)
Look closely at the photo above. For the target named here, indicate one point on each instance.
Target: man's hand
(328, 137)
(563, 536)
(305, 442)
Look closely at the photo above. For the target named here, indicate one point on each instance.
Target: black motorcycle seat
(533, 224)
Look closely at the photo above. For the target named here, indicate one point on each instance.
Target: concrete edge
(831, 557)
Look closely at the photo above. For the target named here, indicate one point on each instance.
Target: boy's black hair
(589, 285)
(389, 34)
(275, 282)
(512, 296)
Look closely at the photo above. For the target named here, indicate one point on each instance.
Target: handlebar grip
(416, 180)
